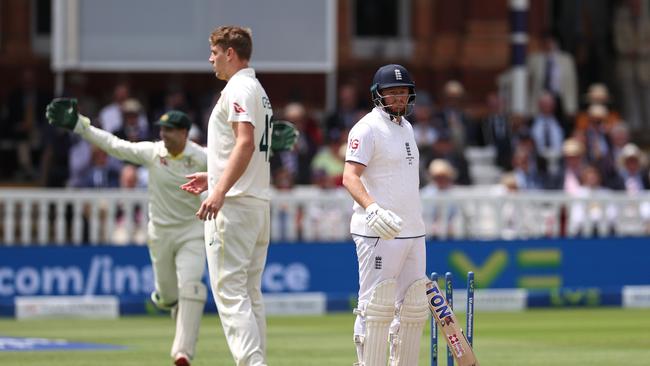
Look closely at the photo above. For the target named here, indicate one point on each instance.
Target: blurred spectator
(25, 123)
(520, 126)
(444, 148)
(632, 42)
(597, 140)
(527, 177)
(349, 110)
(297, 113)
(597, 94)
(110, 117)
(327, 164)
(519, 218)
(423, 121)
(445, 219)
(553, 70)
(298, 160)
(452, 119)
(79, 157)
(497, 131)
(508, 183)
(511, 213)
(101, 173)
(619, 136)
(124, 222)
(569, 180)
(632, 169)
(283, 179)
(131, 129)
(524, 141)
(591, 216)
(548, 134)
(633, 178)
(441, 177)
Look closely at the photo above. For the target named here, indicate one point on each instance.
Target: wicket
(469, 329)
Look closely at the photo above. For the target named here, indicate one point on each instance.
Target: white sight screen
(172, 35)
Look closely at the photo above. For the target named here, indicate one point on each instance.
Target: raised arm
(62, 112)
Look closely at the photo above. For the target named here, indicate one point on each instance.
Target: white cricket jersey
(391, 176)
(168, 204)
(243, 99)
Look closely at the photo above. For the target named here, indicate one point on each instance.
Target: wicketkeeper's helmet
(389, 76)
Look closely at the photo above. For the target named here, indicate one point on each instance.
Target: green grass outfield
(607, 336)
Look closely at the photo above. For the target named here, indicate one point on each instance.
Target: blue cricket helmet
(389, 76)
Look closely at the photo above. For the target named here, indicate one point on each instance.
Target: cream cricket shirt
(168, 204)
(391, 176)
(243, 99)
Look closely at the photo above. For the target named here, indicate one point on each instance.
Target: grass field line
(594, 337)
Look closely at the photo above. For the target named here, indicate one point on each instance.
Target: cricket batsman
(382, 175)
(175, 237)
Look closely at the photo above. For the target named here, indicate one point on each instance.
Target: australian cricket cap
(175, 119)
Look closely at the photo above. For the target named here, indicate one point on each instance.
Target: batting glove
(384, 222)
(284, 136)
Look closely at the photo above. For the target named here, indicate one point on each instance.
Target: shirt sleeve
(241, 104)
(361, 144)
(141, 153)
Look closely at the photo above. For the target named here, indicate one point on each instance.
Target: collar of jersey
(386, 117)
(164, 153)
(248, 71)
(176, 157)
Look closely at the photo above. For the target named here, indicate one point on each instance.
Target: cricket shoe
(181, 359)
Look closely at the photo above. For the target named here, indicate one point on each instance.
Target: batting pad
(413, 314)
(378, 315)
(192, 297)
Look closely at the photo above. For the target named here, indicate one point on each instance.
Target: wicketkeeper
(175, 237)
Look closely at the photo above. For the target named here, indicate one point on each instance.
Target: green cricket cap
(175, 119)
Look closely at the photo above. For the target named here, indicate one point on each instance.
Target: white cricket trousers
(401, 259)
(177, 257)
(236, 244)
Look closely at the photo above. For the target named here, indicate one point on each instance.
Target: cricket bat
(449, 326)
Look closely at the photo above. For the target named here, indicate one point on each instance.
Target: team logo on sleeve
(238, 108)
(354, 144)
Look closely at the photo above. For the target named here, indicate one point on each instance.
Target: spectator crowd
(567, 140)
(549, 149)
